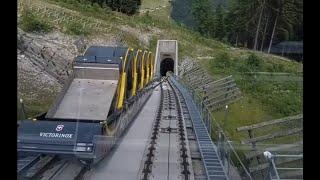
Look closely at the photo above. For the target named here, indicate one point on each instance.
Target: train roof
(95, 59)
(102, 55)
(106, 51)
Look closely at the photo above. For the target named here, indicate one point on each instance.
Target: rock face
(51, 53)
(44, 62)
(33, 77)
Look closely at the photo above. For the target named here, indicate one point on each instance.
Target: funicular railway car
(107, 88)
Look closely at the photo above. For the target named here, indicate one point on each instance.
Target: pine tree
(204, 17)
(219, 21)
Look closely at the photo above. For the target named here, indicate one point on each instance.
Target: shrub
(253, 62)
(273, 67)
(129, 7)
(222, 60)
(30, 22)
(147, 19)
(243, 68)
(278, 67)
(76, 28)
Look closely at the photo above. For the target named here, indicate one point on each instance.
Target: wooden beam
(201, 77)
(213, 87)
(224, 88)
(277, 162)
(271, 73)
(293, 174)
(214, 108)
(213, 84)
(192, 70)
(273, 135)
(201, 83)
(268, 123)
(197, 80)
(222, 79)
(220, 89)
(226, 93)
(290, 147)
(226, 99)
(195, 76)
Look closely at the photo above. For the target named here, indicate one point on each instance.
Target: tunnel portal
(166, 66)
(166, 58)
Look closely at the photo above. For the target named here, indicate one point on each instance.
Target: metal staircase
(212, 162)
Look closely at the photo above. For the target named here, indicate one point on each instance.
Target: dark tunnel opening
(166, 66)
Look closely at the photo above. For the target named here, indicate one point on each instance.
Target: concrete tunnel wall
(166, 57)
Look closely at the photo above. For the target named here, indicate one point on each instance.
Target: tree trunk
(258, 27)
(237, 40)
(264, 33)
(274, 28)
(245, 43)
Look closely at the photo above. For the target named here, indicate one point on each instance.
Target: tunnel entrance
(166, 66)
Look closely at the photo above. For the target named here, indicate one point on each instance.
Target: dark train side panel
(61, 137)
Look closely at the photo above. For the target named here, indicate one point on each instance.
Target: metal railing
(272, 173)
(235, 168)
(21, 113)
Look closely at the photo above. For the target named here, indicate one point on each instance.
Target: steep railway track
(47, 167)
(171, 151)
(168, 155)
